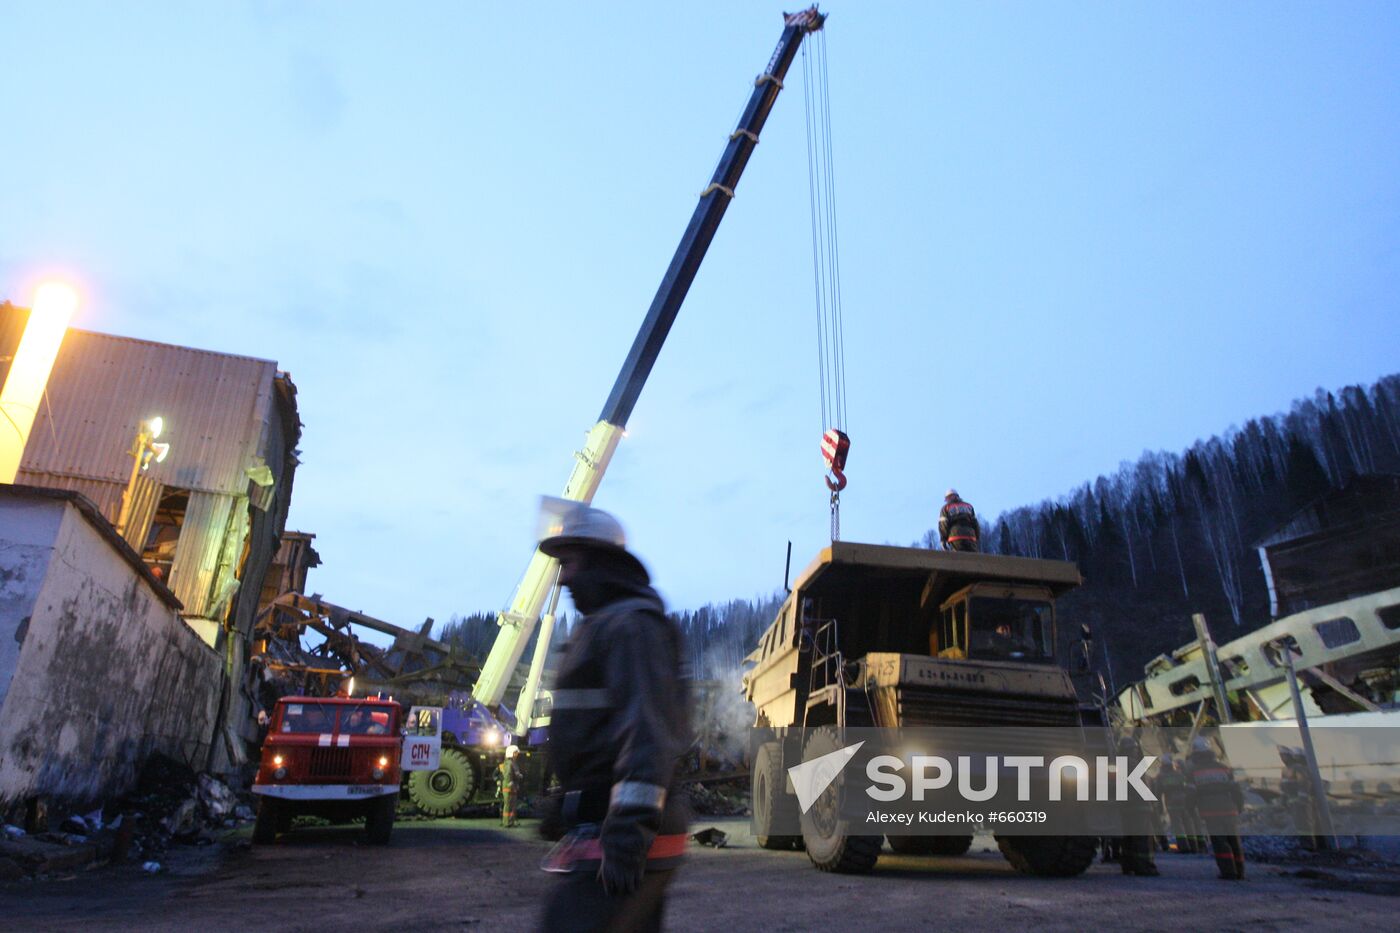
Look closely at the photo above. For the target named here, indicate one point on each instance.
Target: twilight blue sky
(1070, 232)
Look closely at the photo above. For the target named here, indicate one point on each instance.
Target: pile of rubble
(1290, 850)
(719, 798)
(170, 804)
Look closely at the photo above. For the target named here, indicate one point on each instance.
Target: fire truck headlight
(377, 774)
(383, 761)
(280, 773)
(277, 761)
(490, 737)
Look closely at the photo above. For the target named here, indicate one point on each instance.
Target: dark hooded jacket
(621, 716)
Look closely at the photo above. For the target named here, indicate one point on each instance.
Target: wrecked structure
(209, 516)
(1333, 571)
(129, 596)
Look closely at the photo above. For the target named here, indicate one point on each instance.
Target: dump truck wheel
(269, 821)
(930, 845)
(771, 804)
(1049, 856)
(830, 845)
(448, 789)
(379, 820)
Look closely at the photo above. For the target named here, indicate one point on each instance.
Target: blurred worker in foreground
(957, 524)
(508, 781)
(620, 723)
(1218, 801)
(1136, 857)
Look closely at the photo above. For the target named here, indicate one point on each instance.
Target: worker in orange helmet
(957, 524)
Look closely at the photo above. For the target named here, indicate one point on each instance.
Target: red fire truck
(341, 758)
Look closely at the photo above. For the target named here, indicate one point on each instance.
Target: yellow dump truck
(878, 636)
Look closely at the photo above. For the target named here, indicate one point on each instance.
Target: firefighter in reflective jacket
(1172, 789)
(1136, 856)
(1218, 801)
(620, 723)
(508, 780)
(957, 524)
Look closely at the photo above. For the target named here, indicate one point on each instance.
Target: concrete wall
(97, 668)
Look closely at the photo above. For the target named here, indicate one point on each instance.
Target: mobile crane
(474, 727)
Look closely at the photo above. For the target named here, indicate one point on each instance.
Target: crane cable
(826, 271)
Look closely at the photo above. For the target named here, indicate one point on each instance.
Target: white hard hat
(512, 751)
(563, 522)
(567, 524)
(951, 494)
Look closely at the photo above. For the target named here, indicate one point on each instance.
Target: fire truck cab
(341, 758)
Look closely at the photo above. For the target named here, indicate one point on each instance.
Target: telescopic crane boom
(518, 622)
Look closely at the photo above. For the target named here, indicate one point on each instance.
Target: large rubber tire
(830, 845)
(1049, 856)
(447, 790)
(771, 802)
(930, 845)
(379, 819)
(269, 822)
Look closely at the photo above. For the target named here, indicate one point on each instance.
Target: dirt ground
(464, 874)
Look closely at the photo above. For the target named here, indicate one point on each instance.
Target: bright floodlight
(161, 451)
(55, 299)
(23, 386)
(156, 425)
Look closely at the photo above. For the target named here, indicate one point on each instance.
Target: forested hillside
(1173, 534)
(717, 636)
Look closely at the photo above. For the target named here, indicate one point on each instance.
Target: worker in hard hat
(1136, 857)
(1171, 788)
(1296, 786)
(620, 723)
(508, 781)
(1218, 801)
(957, 524)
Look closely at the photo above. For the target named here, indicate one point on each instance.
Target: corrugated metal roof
(214, 406)
(106, 496)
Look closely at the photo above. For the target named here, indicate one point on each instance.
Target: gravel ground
(462, 874)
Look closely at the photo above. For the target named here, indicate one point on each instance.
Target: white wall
(106, 671)
(27, 533)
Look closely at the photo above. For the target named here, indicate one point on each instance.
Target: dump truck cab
(340, 758)
(883, 636)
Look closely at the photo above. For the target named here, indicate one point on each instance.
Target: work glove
(626, 837)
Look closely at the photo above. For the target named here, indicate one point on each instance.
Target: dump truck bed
(884, 599)
(845, 563)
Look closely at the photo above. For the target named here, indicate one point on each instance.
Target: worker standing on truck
(1219, 801)
(619, 725)
(957, 524)
(508, 780)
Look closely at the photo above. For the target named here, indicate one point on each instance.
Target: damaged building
(194, 537)
(1333, 572)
